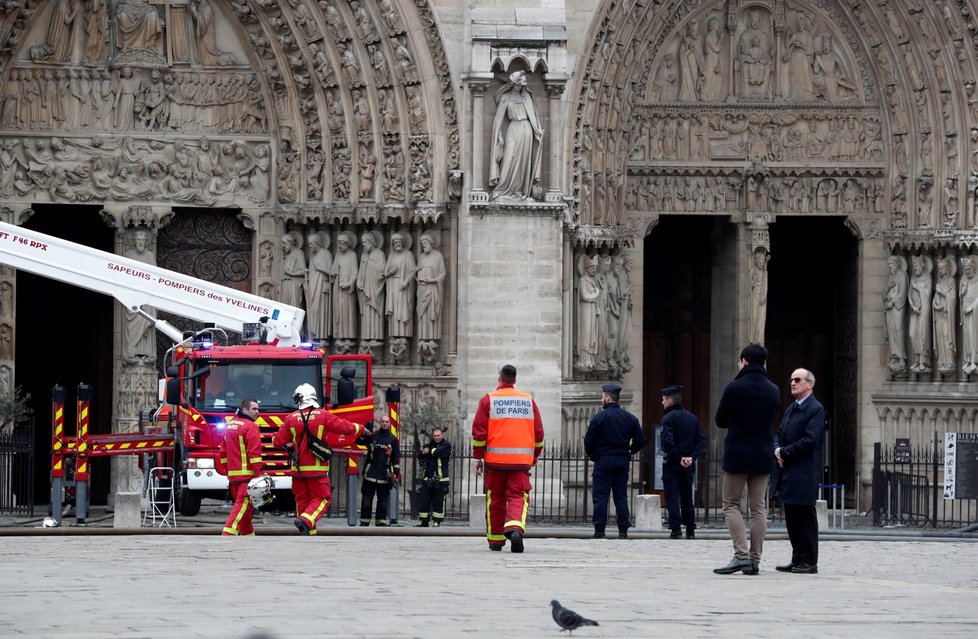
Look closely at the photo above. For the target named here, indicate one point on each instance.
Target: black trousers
(610, 475)
(383, 492)
(431, 500)
(678, 485)
(802, 526)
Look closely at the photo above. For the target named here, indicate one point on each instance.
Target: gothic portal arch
(756, 110)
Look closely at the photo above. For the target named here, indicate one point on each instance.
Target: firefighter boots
(301, 526)
(515, 540)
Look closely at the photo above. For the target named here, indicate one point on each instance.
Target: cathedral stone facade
(617, 190)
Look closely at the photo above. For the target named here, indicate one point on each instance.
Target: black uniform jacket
(680, 435)
(613, 431)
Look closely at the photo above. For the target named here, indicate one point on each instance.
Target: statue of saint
(293, 269)
(344, 275)
(969, 314)
(210, 55)
(895, 308)
(588, 313)
(370, 287)
(690, 64)
(431, 275)
(140, 26)
(514, 165)
(399, 273)
(138, 335)
(945, 310)
(712, 71)
(921, 290)
(319, 286)
(799, 55)
(758, 294)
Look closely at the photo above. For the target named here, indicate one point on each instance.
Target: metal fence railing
(17, 470)
(908, 489)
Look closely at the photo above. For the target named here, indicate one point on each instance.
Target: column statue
(138, 335)
(895, 308)
(945, 311)
(588, 313)
(921, 291)
(758, 294)
(399, 273)
(344, 276)
(431, 275)
(969, 314)
(293, 269)
(370, 290)
(319, 286)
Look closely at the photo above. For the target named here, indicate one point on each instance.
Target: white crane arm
(136, 284)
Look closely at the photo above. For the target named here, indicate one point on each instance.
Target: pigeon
(568, 619)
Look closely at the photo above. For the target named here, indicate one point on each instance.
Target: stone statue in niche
(96, 23)
(621, 267)
(344, 275)
(665, 83)
(712, 69)
(370, 290)
(969, 314)
(293, 269)
(210, 54)
(611, 312)
(399, 273)
(138, 335)
(517, 150)
(319, 286)
(799, 56)
(894, 306)
(588, 313)
(266, 259)
(57, 47)
(945, 312)
(430, 276)
(921, 290)
(754, 62)
(831, 79)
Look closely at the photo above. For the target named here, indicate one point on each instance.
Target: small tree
(416, 419)
(14, 407)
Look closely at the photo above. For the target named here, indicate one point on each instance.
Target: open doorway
(811, 323)
(64, 337)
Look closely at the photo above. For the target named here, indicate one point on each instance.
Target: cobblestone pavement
(352, 582)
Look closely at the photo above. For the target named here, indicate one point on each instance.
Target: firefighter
(239, 459)
(382, 467)
(507, 439)
(310, 474)
(434, 484)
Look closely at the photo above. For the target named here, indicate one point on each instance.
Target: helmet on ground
(260, 490)
(50, 522)
(305, 396)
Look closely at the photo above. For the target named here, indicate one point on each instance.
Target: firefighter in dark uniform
(682, 442)
(382, 467)
(612, 437)
(434, 485)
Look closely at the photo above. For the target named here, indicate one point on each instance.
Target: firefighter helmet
(51, 522)
(260, 490)
(305, 396)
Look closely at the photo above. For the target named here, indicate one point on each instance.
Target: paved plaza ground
(365, 582)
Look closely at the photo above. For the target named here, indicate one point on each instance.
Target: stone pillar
(555, 89)
(478, 85)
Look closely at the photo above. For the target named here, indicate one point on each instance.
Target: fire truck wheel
(188, 504)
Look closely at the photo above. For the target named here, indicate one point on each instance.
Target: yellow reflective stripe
(478, 442)
(240, 473)
(255, 460)
(237, 520)
(230, 531)
(315, 467)
(244, 453)
(539, 444)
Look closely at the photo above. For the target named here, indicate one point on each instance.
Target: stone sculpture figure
(319, 286)
(831, 78)
(140, 26)
(921, 291)
(344, 276)
(57, 48)
(758, 294)
(799, 55)
(611, 310)
(588, 313)
(969, 314)
(293, 269)
(620, 268)
(430, 276)
(370, 289)
(690, 64)
(139, 338)
(399, 273)
(210, 54)
(95, 24)
(945, 311)
(514, 166)
(754, 59)
(895, 305)
(712, 71)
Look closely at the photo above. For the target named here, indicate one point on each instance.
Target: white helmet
(50, 522)
(260, 490)
(305, 396)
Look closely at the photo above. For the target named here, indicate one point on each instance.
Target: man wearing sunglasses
(798, 449)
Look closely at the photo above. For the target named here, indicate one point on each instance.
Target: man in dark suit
(798, 449)
(748, 409)
(682, 442)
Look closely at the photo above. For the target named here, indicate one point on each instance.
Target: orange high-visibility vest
(510, 441)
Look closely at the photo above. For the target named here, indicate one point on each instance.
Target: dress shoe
(805, 569)
(516, 541)
(755, 568)
(785, 568)
(598, 534)
(676, 534)
(736, 565)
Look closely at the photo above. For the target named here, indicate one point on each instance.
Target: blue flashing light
(275, 314)
(307, 345)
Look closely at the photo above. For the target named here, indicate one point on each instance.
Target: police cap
(675, 389)
(611, 388)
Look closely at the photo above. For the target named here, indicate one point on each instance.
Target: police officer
(682, 442)
(434, 486)
(381, 469)
(612, 437)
